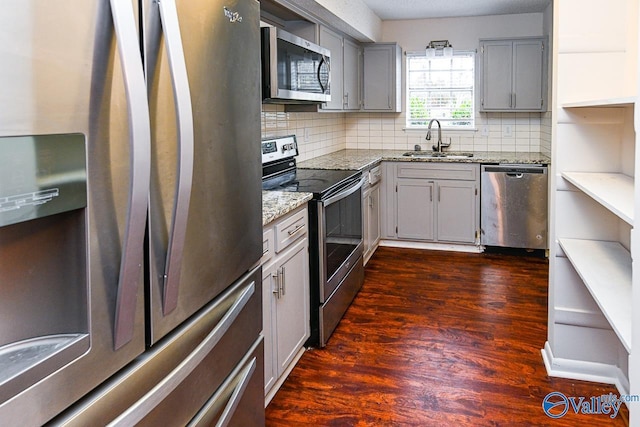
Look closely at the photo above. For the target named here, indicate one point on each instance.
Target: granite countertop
(278, 203)
(351, 159)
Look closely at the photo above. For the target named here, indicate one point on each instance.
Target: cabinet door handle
(514, 100)
(282, 282)
(438, 193)
(510, 100)
(276, 278)
(370, 202)
(295, 230)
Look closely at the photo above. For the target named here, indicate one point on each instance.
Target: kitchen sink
(435, 154)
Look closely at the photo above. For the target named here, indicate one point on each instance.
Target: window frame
(473, 88)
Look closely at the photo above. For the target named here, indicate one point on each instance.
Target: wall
(352, 17)
(357, 15)
(530, 131)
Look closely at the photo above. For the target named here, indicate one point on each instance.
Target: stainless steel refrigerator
(130, 212)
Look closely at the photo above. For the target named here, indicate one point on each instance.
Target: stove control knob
(287, 147)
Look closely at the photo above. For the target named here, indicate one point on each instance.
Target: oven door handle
(345, 193)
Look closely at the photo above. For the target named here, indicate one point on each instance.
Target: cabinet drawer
(290, 229)
(268, 243)
(465, 172)
(375, 174)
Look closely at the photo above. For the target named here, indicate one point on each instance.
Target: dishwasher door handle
(514, 169)
(515, 175)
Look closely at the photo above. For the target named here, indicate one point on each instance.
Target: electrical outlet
(507, 131)
(307, 134)
(484, 131)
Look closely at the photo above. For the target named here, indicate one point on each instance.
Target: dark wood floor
(436, 339)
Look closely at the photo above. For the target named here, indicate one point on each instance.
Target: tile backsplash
(316, 133)
(323, 133)
(520, 132)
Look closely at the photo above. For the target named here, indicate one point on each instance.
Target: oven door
(340, 236)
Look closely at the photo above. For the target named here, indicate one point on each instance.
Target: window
(441, 88)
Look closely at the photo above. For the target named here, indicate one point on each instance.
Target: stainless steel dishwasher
(514, 204)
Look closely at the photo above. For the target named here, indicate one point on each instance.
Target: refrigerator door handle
(184, 113)
(168, 384)
(140, 155)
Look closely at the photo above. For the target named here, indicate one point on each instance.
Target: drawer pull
(295, 230)
(168, 384)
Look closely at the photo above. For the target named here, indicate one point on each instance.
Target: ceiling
(420, 9)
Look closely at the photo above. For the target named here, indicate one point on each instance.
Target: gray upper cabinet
(513, 74)
(333, 42)
(382, 77)
(352, 72)
(345, 71)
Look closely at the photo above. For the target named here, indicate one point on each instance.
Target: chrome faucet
(437, 147)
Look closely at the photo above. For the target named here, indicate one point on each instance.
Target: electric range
(335, 231)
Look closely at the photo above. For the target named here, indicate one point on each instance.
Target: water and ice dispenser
(43, 274)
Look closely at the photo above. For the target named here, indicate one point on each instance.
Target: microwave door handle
(140, 171)
(345, 193)
(184, 113)
(323, 61)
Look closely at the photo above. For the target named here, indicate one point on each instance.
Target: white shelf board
(614, 191)
(607, 102)
(605, 269)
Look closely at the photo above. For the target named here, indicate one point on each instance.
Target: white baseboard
(584, 371)
(432, 246)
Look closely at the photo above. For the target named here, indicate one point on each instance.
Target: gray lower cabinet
(285, 298)
(371, 213)
(433, 202)
(457, 211)
(414, 212)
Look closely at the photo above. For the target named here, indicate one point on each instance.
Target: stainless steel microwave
(294, 70)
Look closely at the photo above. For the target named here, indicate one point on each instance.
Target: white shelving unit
(594, 263)
(608, 280)
(602, 103)
(614, 191)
